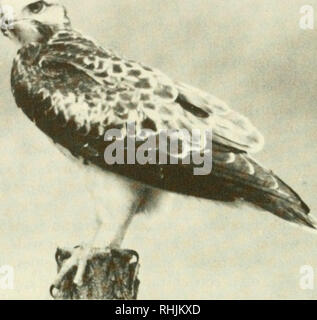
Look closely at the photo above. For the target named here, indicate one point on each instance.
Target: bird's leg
(144, 196)
(122, 231)
(81, 254)
(86, 253)
(79, 258)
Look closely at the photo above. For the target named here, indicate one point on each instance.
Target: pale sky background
(250, 53)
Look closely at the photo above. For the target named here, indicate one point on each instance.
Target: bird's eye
(36, 7)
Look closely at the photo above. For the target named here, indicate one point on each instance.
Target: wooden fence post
(109, 275)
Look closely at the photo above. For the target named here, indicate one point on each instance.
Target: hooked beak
(7, 26)
(7, 22)
(5, 32)
(26, 31)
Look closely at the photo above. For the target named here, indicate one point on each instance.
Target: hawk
(74, 90)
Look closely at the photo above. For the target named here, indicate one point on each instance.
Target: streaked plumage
(74, 91)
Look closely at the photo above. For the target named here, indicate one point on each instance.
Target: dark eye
(36, 7)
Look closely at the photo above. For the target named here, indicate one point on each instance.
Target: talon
(52, 288)
(78, 258)
(78, 282)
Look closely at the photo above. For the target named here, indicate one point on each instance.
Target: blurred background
(250, 53)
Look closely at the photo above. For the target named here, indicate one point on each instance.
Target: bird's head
(29, 21)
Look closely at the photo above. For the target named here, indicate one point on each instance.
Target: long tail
(242, 177)
(282, 201)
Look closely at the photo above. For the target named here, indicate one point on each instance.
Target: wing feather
(153, 95)
(229, 127)
(77, 91)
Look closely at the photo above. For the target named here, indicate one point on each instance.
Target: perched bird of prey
(74, 91)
